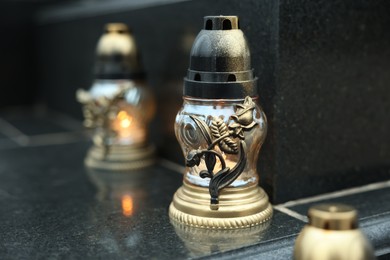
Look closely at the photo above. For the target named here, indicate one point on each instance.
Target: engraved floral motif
(225, 136)
(243, 118)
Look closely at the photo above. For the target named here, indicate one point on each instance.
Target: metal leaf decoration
(220, 130)
(210, 161)
(99, 112)
(227, 138)
(223, 179)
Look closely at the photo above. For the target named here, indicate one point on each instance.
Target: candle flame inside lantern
(128, 128)
(127, 205)
(125, 119)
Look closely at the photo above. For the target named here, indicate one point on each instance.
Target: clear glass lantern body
(129, 124)
(220, 129)
(190, 137)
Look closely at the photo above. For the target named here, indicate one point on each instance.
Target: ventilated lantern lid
(220, 66)
(333, 217)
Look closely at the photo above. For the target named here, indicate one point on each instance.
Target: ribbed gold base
(238, 207)
(120, 157)
(204, 241)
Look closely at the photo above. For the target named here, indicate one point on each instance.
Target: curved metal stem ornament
(225, 136)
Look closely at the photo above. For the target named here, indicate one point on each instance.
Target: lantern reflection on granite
(118, 106)
(201, 242)
(127, 205)
(119, 192)
(220, 129)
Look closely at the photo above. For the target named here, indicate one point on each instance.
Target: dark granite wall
(323, 68)
(17, 77)
(331, 120)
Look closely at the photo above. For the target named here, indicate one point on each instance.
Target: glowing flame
(127, 128)
(127, 205)
(124, 119)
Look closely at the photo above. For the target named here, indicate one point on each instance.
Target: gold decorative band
(221, 223)
(238, 207)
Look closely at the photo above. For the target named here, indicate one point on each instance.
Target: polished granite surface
(51, 206)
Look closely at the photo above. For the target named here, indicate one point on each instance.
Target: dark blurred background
(323, 68)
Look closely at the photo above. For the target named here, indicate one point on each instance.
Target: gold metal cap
(116, 28)
(117, 54)
(333, 217)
